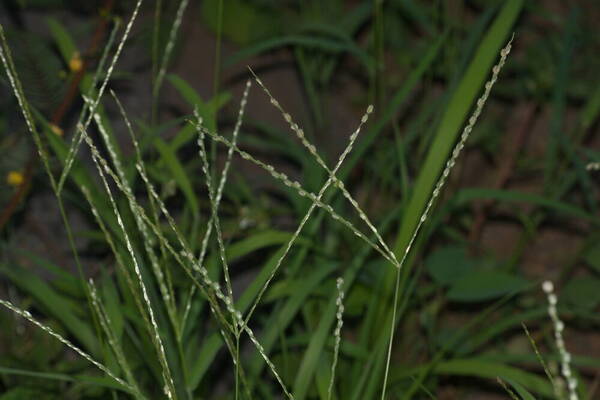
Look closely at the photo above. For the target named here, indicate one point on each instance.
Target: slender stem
(237, 366)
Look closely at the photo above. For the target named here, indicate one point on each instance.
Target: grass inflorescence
(170, 306)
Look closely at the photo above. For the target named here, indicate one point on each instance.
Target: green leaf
(257, 241)
(58, 306)
(63, 39)
(279, 320)
(284, 316)
(39, 69)
(185, 135)
(557, 140)
(308, 41)
(206, 109)
(481, 285)
(483, 369)
(510, 321)
(104, 381)
(27, 393)
(63, 281)
(582, 292)
(114, 307)
(466, 196)
(311, 357)
(521, 391)
(242, 22)
(449, 264)
(187, 92)
(592, 108)
(79, 174)
(178, 172)
(454, 116)
(592, 257)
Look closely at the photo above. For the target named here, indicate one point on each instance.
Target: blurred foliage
(423, 65)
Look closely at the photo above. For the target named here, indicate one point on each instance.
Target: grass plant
(166, 315)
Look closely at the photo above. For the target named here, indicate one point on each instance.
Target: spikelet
(337, 334)
(559, 327)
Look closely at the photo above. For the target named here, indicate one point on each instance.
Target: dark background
(537, 133)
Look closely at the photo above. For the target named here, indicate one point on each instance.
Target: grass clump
(169, 315)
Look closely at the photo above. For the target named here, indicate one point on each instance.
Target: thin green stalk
(507, 389)
(337, 334)
(219, 195)
(113, 341)
(167, 54)
(214, 215)
(237, 366)
(539, 357)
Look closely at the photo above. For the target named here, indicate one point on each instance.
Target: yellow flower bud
(56, 129)
(75, 63)
(15, 178)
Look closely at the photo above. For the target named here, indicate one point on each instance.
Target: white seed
(548, 287)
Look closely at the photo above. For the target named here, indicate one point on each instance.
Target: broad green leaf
(592, 257)
(449, 264)
(481, 285)
(510, 321)
(466, 196)
(488, 370)
(582, 292)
